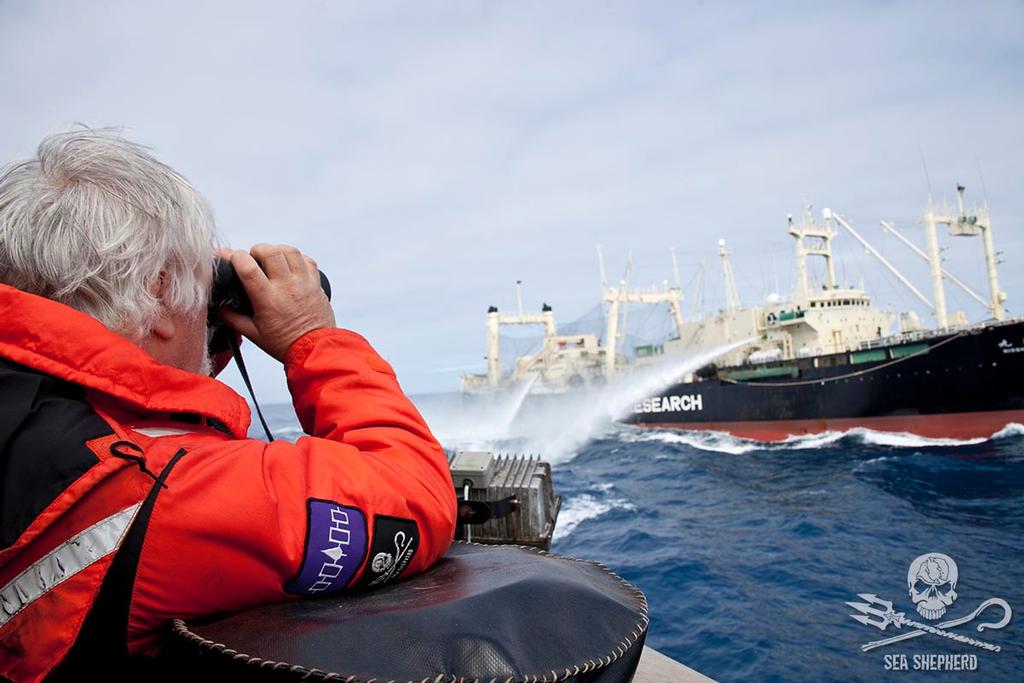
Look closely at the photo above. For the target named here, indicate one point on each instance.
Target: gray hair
(94, 222)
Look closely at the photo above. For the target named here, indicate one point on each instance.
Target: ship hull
(948, 426)
(960, 386)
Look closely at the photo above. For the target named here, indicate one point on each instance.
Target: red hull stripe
(947, 425)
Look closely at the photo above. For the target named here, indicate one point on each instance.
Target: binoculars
(228, 292)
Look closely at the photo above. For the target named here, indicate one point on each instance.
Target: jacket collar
(60, 341)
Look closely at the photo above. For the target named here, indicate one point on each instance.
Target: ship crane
(963, 225)
(888, 226)
(830, 215)
(625, 294)
(494, 322)
(960, 224)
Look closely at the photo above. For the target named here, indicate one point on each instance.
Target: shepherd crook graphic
(1007, 613)
(899, 620)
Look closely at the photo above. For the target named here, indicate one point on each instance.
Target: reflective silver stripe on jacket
(64, 561)
(162, 431)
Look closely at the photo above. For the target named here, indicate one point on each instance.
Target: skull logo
(931, 580)
(381, 562)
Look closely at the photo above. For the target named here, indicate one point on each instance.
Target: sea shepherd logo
(931, 585)
(395, 541)
(670, 404)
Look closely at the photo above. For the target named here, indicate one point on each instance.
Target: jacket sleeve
(365, 499)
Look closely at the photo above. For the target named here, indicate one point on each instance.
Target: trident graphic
(887, 616)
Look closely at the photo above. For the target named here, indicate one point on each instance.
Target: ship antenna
(626, 285)
(775, 273)
(600, 266)
(927, 178)
(519, 296)
(675, 266)
(981, 177)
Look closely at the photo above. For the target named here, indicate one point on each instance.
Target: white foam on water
(804, 441)
(719, 442)
(864, 465)
(585, 506)
(907, 440)
(874, 461)
(1011, 430)
(723, 442)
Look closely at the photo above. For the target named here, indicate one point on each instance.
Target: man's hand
(284, 287)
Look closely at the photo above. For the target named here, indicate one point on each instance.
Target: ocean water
(748, 553)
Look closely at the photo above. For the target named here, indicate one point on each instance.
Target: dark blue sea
(748, 553)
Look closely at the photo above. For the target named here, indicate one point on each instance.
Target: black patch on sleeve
(395, 541)
(44, 424)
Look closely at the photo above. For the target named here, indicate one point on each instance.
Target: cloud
(429, 156)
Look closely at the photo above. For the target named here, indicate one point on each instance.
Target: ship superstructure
(816, 320)
(825, 357)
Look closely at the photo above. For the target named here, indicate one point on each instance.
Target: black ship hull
(964, 385)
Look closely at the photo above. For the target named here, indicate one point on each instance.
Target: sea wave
(1009, 431)
(722, 442)
(586, 506)
(719, 442)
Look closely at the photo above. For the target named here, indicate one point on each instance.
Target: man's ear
(163, 326)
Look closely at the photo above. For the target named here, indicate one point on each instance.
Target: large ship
(824, 359)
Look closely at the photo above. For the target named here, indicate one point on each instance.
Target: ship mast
(677, 311)
(820, 245)
(494, 322)
(625, 308)
(732, 295)
(935, 266)
(625, 294)
(698, 292)
(963, 225)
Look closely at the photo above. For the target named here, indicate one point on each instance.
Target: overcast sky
(430, 154)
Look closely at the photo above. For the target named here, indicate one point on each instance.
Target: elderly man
(129, 493)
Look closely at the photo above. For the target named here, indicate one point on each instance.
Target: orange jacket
(108, 458)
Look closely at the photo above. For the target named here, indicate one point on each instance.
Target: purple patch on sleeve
(335, 547)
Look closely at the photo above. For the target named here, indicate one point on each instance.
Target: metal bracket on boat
(482, 511)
